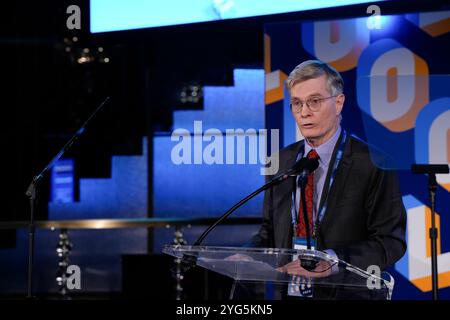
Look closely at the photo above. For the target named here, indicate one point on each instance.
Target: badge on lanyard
(301, 286)
(299, 243)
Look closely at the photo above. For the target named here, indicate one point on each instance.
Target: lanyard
(322, 211)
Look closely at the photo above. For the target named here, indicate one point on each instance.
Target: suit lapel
(330, 169)
(342, 173)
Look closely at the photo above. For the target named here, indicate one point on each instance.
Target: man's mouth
(307, 125)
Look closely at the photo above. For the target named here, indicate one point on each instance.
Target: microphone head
(312, 164)
(299, 165)
(305, 164)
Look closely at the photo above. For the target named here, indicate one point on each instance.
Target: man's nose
(305, 112)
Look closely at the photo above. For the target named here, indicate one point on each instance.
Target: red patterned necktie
(301, 228)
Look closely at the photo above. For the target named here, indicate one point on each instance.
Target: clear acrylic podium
(259, 267)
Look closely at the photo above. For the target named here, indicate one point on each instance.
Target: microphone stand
(304, 165)
(32, 194)
(188, 261)
(271, 183)
(432, 170)
(433, 234)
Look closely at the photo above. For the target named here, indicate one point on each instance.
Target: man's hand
(322, 270)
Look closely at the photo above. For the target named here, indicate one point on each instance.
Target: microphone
(304, 166)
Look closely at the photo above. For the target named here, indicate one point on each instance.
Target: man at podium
(354, 208)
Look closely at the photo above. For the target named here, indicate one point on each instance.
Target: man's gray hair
(312, 69)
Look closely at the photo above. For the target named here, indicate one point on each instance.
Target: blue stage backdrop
(397, 98)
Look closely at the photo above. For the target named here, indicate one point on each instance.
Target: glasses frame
(307, 102)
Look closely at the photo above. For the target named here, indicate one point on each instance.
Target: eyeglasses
(313, 104)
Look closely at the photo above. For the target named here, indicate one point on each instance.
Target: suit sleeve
(386, 224)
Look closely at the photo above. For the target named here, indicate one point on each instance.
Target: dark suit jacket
(365, 220)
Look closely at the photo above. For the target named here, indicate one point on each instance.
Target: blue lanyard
(322, 212)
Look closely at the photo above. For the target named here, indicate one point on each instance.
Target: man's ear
(340, 99)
